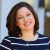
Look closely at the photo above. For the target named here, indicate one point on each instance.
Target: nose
(25, 18)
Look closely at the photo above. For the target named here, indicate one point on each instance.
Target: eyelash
(28, 14)
(19, 17)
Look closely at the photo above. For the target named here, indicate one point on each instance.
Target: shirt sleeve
(5, 44)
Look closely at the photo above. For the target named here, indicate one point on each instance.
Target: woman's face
(25, 19)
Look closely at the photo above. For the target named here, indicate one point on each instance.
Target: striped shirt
(14, 43)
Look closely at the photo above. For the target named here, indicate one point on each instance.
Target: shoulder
(12, 39)
(43, 37)
(5, 44)
(7, 39)
(44, 40)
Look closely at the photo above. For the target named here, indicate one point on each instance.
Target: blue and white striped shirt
(14, 43)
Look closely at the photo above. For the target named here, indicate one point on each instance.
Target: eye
(20, 17)
(28, 14)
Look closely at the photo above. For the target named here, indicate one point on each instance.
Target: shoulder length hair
(14, 30)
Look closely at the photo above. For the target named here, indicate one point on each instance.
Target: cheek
(20, 24)
(33, 21)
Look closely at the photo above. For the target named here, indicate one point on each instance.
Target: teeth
(27, 24)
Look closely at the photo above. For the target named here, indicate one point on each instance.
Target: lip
(28, 23)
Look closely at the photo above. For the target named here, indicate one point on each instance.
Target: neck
(27, 35)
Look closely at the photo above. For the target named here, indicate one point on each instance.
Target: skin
(26, 22)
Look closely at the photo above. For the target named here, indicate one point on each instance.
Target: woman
(22, 24)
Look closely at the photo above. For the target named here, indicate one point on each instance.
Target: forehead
(23, 10)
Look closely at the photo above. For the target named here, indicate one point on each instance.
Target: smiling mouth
(26, 24)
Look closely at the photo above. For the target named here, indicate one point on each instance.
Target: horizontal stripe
(20, 38)
(5, 47)
(14, 37)
(30, 44)
(43, 38)
(7, 40)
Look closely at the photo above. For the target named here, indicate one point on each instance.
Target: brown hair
(14, 30)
